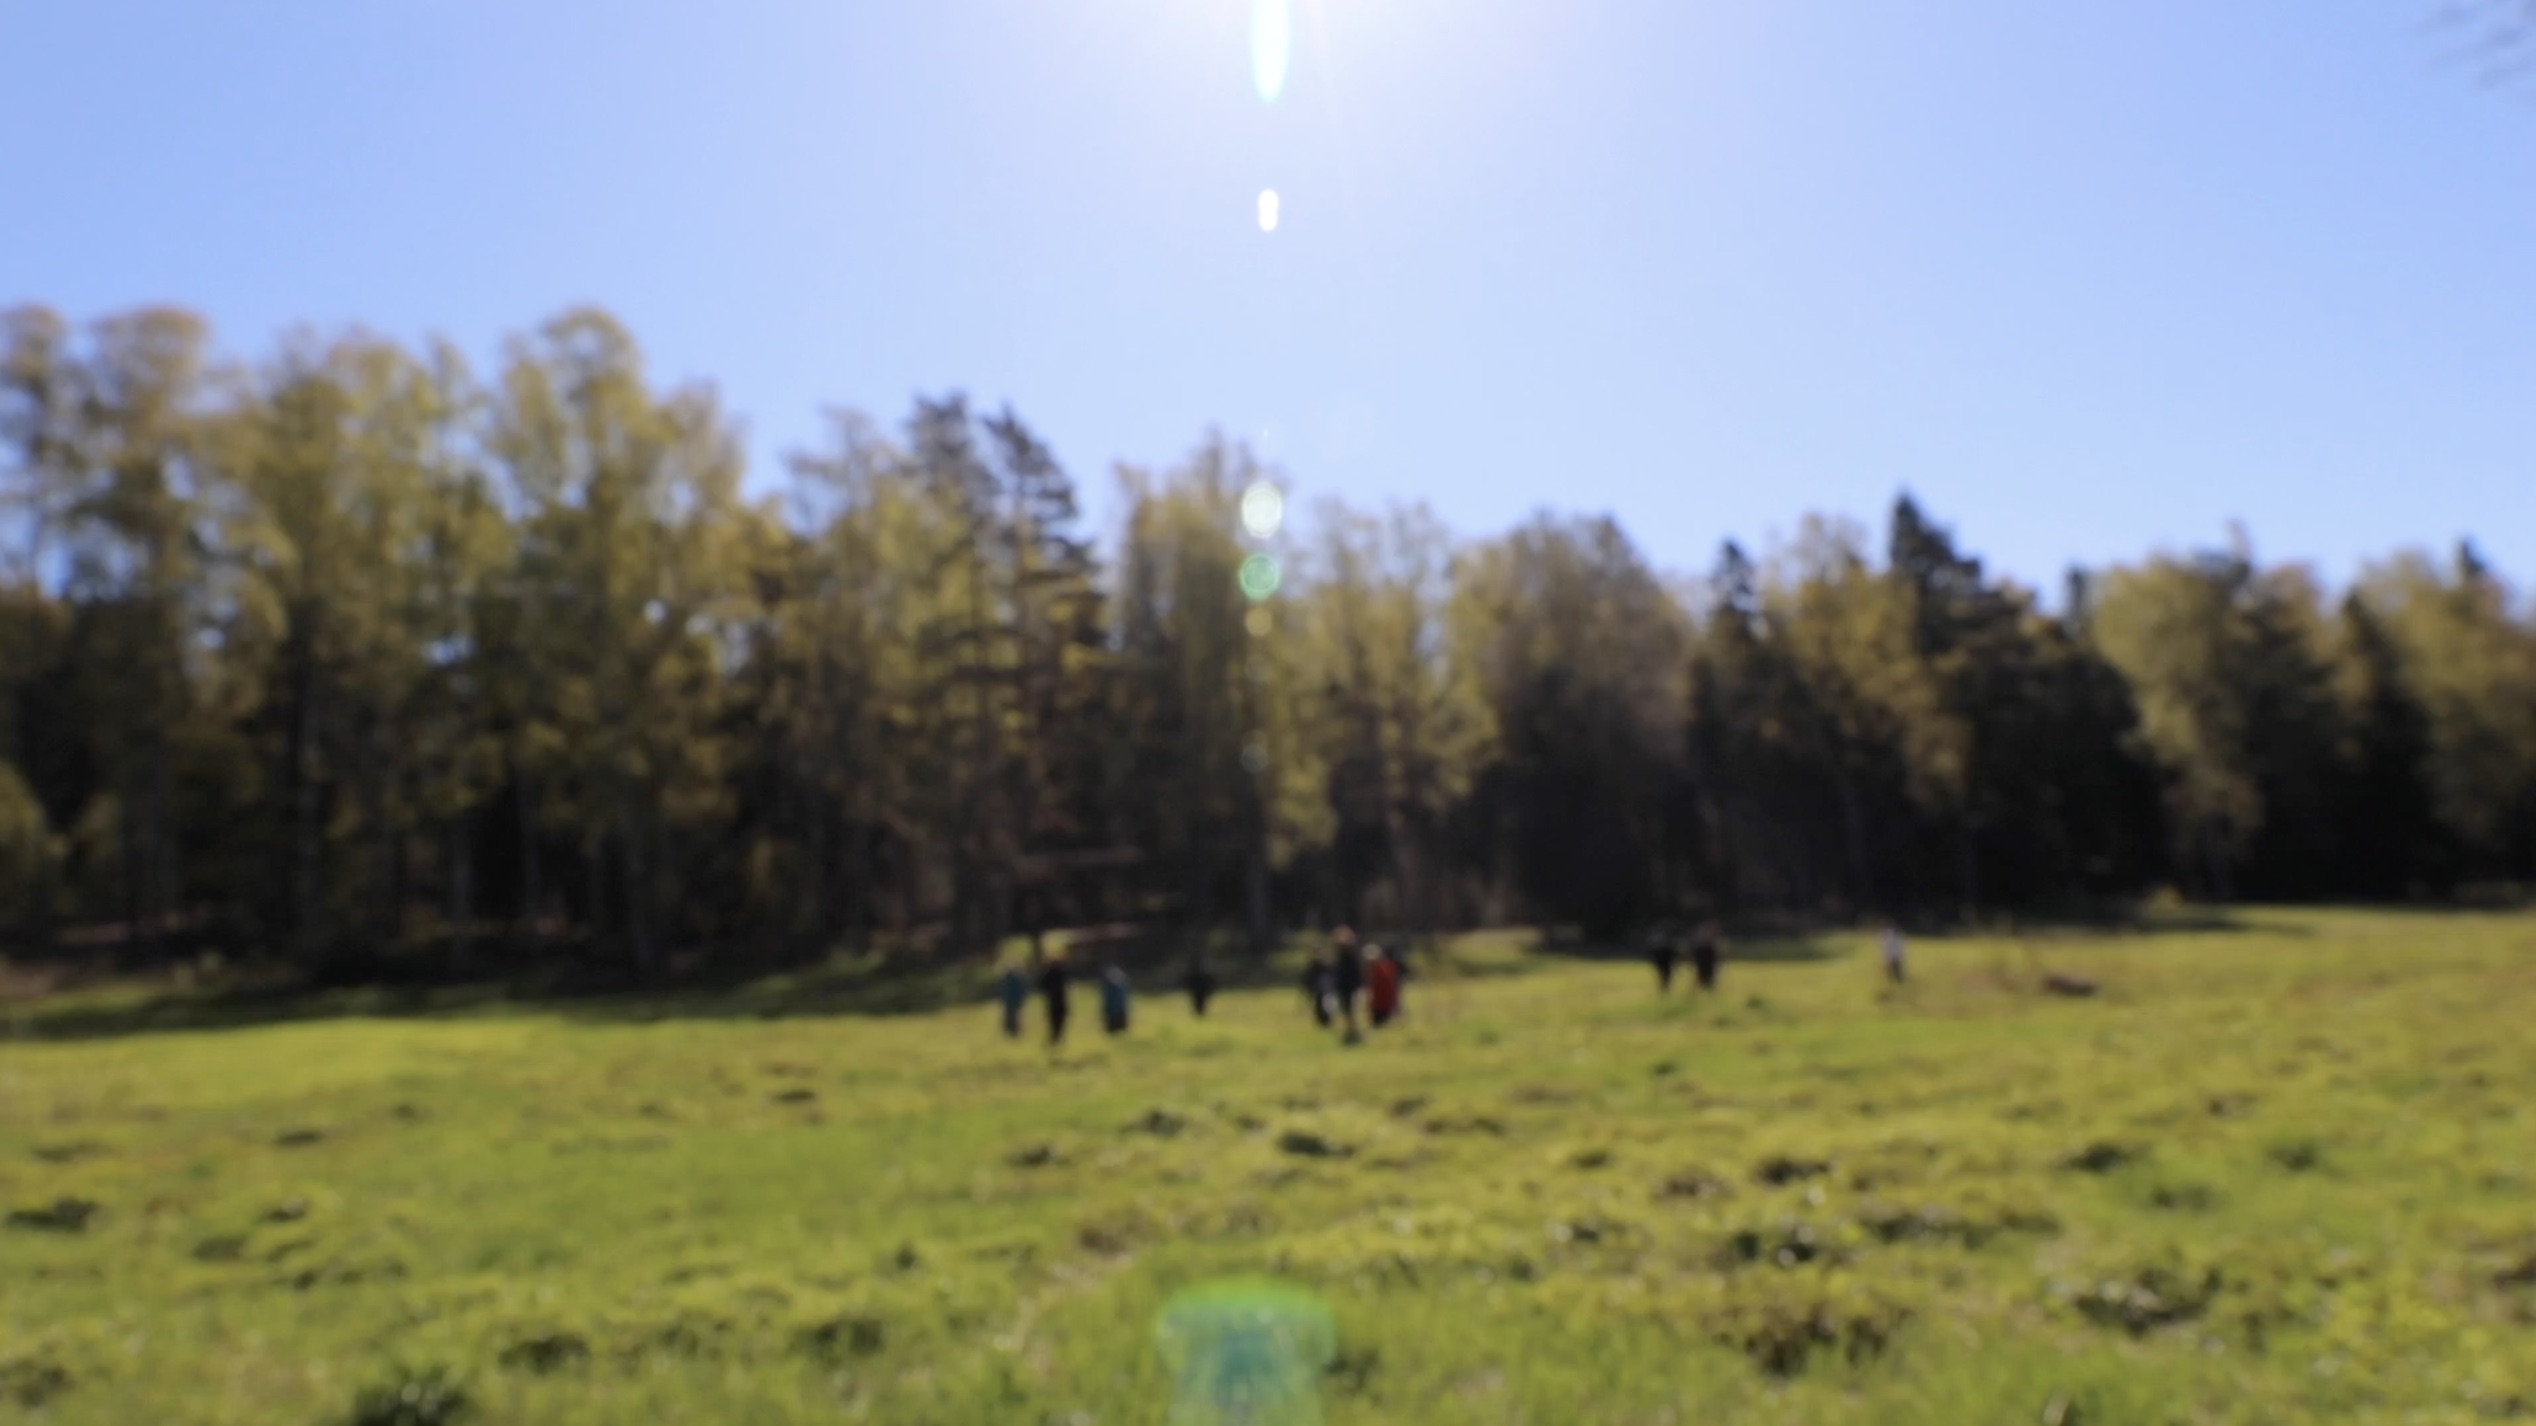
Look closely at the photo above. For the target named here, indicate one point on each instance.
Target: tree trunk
(1259, 930)
(386, 853)
(461, 892)
(1968, 866)
(826, 908)
(532, 894)
(634, 863)
(863, 914)
(162, 841)
(300, 784)
(1853, 823)
(594, 883)
(400, 870)
(134, 869)
(46, 894)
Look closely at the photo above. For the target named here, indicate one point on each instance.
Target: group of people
(1333, 981)
(1053, 978)
(1708, 945)
(1335, 977)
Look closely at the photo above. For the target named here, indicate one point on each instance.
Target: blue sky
(2090, 277)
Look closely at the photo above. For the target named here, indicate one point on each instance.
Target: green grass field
(2281, 1171)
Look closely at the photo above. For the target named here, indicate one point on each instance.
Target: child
(1889, 942)
(1382, 985)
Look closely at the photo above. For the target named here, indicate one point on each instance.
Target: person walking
(1013, 988)
(1347, 979)
(1316, 988)
(1889, 945)
(1661, 954)
(1200, 983)
(1114, 999)
(1054, 994)
(1382, 985)
(1706, 949)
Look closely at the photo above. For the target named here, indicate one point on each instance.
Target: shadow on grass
(2116, 922)
(1786, 939)
(592, 989)
(1764, 948)
(872, 985)
(127, 1011)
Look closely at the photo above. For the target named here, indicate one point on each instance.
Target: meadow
(2280, 1168)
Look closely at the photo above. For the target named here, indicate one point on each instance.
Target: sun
(1271, 47)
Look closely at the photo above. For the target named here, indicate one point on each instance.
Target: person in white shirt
(1889, 943)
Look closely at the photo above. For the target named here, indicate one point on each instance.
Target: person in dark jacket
(1662, 954)
(1347, 978)
(1114, 999)
(1200, 983)
(1316, 988)
(1706, 949)
(1052, 991)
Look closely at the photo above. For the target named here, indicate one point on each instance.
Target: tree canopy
(349, 651)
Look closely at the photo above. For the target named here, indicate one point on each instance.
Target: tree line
(348, 649)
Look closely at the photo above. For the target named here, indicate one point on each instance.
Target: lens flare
(1271, 47)
(1268, 210)
(1246, 1352)
(1263, 510)
(1260, 577)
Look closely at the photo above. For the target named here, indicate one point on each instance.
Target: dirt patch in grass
(545, 1352)
(33, 1382)
(1785, 1332)
(1786, 1243)
(2103, 1156)
(62, 1215)
(2139, 1300)
(429, 1396)
(1306, 1144)
(1115, 1232)
(1780, 1170)
(70, 1153)
(847, 1338)
(1693, 1183)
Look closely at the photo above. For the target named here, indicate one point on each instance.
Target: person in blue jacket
(1114, 1000)
(1013, 988)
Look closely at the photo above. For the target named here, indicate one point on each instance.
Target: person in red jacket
(1382, 985)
